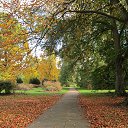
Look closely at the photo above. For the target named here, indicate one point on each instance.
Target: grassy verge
(40, 91)
(95, 92)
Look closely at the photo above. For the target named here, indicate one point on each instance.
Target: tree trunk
(119, 85)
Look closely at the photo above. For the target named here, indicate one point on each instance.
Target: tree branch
(122, 29)
(96, 12)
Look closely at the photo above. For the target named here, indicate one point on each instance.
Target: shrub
(7, 86)
(24, 87)
(36, 85)
(89, 87)
(19, 80)
(34, 81)
(44, 81)
(52, 86)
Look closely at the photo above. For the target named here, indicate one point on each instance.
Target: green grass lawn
(95, 92)
(40, 91)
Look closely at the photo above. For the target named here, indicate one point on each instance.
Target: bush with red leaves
(104, 112)
(19, 111)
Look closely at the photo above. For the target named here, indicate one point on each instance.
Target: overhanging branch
(95, 12)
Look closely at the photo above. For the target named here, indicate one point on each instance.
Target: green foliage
(19, 80)
(65, 74)
(103, 78)
(7, 86)
(92, 34)
(34, 81)
(82, 77)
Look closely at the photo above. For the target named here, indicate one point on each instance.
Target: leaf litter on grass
(19, 111)
(104, 112)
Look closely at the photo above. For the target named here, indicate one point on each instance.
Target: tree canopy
(92, 35)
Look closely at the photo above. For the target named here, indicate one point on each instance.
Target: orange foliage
(20, 111)
(105, 111)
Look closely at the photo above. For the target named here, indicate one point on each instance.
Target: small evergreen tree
(34, 81)
(19, 80)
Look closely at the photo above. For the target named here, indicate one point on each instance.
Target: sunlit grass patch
(83, 91)
(41, 91)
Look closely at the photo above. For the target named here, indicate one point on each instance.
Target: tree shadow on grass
(4, 94)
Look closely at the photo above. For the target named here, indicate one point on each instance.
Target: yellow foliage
(12, 50)
(44, 68)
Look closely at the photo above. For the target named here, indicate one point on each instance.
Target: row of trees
(41, 68)
(90, 35)
(16, 59)
(94, 38)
